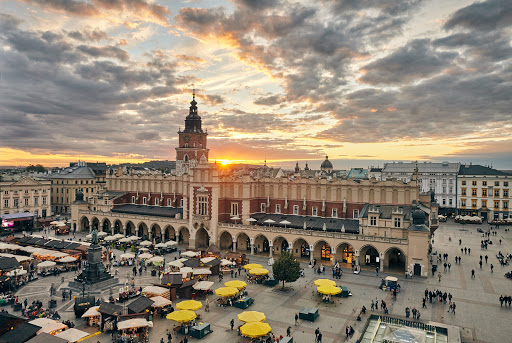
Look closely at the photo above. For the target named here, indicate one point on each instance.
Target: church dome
(326, 164)
(418, 217)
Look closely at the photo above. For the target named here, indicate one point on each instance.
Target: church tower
(192, 141)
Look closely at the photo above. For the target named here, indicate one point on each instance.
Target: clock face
(186, 138)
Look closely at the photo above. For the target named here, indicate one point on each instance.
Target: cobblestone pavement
(478, 311)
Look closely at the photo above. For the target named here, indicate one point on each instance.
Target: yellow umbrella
(252, 265)
(258, 271)
(251, 316)
(324, 282)
(255, 329)
(182, 316)
(329, 290)
(226, 291)
(191, 305)
(236, 284)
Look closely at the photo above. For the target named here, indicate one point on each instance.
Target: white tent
(190, 253)
(17, 272)
(146, 243)
(225, 262)
(202, 271)
(59, 255)
(203, 285)
(161, 245)
(145, 255)
(47, 325)
(72, 335)
(133, 323)
(186, 270)
(157, 259)
(207, 259)
(127, 255)
(102, 234)
(170, 243)
(155, 290)
(91, 312)
(175, 263)
(67, 259)
(160, 301)
(46, 264)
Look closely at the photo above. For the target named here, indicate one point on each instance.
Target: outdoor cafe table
(309, 314)
(199, 331)
(244, 302)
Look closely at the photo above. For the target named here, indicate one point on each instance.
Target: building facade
(22, 193)
(260, 210)
(484, 192)
(441, 178)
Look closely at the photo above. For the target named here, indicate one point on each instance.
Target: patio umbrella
(156, 259)
(109, 238)
(251, 316)
(305, 226)
(324, 282)
(134, 238)
(125, 240)
(170, 243)
(235, 218)
(145, 255)
(252, 266)
(181, 316)
(102, 234)
(89, 236)
(252, 220)
(236, 284)
(119, 235)
(285, 222)
(191, 305)
(67, 259)
(127, 255)
(143, 249)
(269, 221)
(146, 243)
(226, 291)
(255, 329)
(258, 271)
(325, 227)
(329, 290)
(161, 245)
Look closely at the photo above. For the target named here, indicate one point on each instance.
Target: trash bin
(52, 303)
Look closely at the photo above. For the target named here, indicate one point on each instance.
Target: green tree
(36, 168)
(286, 268)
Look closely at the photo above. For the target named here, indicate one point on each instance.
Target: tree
(38, 168)
(286, 268)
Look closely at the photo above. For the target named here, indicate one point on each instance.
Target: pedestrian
(472, 273)
(465, 250)
(418, 315)
(501, 301)
(453, 307)
(449, 266)
(377, 270)
(296, 319)
(25, 303)
(372, 306)
(185, 340)
(480, 263)
(319, 338)
(492, 268)
(439, 276)
(424, 303)
(486, 257)
(469, 251)
(289, 331)
(161, 339)
(317, 332)
(232, 324)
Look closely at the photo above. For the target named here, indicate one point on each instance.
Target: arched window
(185, 158)
(325, 252)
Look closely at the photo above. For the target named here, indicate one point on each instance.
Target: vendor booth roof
(133, 323)
(188, 283)
(190, 253)
(8, 263)
(47, 325)
(8, 246)
(91, 312)
(140, 304)
(59, 254)
(110, 309)
(207, 259)
(173, 279)
(154, 290)
(212, 263)
(46, 264)
(202, 271)
(191, 263)
(175, 263)
(203, 285)
(159, 301)
(46, 338)
(213, 249)
(72, 335)
(20, 334)
(51, 243)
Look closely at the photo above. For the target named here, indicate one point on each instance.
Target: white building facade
(22, 193)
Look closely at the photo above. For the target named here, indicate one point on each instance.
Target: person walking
(317, 332)
(449, 266)
(439, 276)
(453, 307)
(232, 324)
(296, 319)
(472, 273)
(486, 258)
(492, 268)
(289, 331)
(469, 251)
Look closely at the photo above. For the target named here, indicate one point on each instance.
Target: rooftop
(475, 169)
(157, 211)
(312, 223)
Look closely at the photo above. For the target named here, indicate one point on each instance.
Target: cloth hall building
(264, 211)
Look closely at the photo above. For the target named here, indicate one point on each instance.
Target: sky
(362, 81)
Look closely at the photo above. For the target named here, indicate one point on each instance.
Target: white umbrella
(170, 243)
(46, 264)
(325, 227)
(109, 238)
(160, 245)
(176, 263)
(127, 255)
(202, 271)
(60, 224)
(225, 262)
(67, 259)
(134, 238)
(143, 249)
(305, 226)
(157, 259)
(89, 236)
(118, 235)
(146, 243)
(189, 253)
(125, 240)
(269, 221)
(102, 234)
(235, 218)
(285, 222)
(145, 255)
(251, 220)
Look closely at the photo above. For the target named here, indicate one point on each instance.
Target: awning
(48, 325)
(203, 285)
(72, 335)
(91, 312)
(133, 323)
(160, 301)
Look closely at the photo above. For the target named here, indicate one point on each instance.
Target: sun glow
(225, 162)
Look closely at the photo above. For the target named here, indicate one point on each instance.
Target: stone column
(311, 253)
(252, 248)
(234, 243)
(356, 254)
(100, 227)
(381, 261)
(150, 235)
(271, 249)
(333, 254)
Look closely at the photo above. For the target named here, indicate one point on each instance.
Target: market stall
(92, 316)
(44, 268)
(109, 314)
(48, 325)
(72, 335)
(255, 329)
(135, 330)
(184, 317)
(140, 305)
(152, 291)
(161, 305)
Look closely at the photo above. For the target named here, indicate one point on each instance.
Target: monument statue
(94, 238)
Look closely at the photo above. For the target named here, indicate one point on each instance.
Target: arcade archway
(243, 242)
(261, 245)
(118, 227)
(225, 240)
(202, 238)
(345, 254)
(369, 256)
(183, 236)
(322, 251)
(395, 259)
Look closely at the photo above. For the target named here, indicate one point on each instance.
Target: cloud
(88, 35)
(105, 51)
(483, 16)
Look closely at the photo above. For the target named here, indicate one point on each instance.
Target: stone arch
(301, 248)
(118, 226)
(143, 230)
(156, 232)
(169, 233)
(395, 196)
(395, 259)
(130, 228)
(369, 256)
(107, 225)
(84, 224)
(225, 240)
(95, 224)
(202, 238)
(281, 244)
(345, 253)
(183, 235)
(261, 244)
(322, 251)
(243, 242)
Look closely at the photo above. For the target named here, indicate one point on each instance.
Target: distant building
(375, 173)
(22, 193)
(483, 191)
(441, 178)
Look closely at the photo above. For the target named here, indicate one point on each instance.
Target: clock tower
(192, 141)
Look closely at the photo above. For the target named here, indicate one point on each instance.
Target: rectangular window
(451, 190)
(505, 183)
(484, 192)
(505, 193)
(497, 193)
(398, 222)
(181, 203)
(473, 183)
(373, 220)
(36, 191)
(450, 182)
(44, 201)
(26, 191)
(463, 190)
(6, 203)
(335, 213)
(473, 191)
(157, 201)
(314, 211)
(263, 207)
(484, 203)
(444, 181)
(169, 202)
(278, 208)
(505, 205)
(463, 202)
(16, 203)
(496, 183)
(473, 203)
(450, 202)
(26, 202)
(234, 209)
(295, 209)
(484, 183)
(15, 192)
(144, 200)
(6, 192)
(444, 189)
(356, 214)
(36, 201)
(56, 190)
(67, 190)
(463, 183)
(202, 206)
(496, 204)
(133, 199)
(444, 201)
